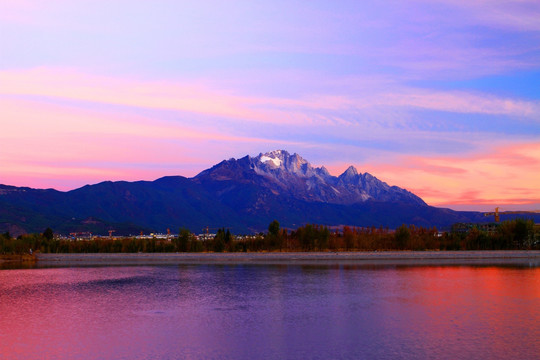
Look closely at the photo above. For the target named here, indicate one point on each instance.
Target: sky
(441, 97)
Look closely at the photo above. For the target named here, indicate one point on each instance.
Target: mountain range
(244, 195)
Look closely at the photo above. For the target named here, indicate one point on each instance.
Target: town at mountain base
(243, 195)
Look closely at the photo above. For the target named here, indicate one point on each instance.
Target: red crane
(498, 213)
(207, 230)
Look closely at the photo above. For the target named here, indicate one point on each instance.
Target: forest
(518, 234)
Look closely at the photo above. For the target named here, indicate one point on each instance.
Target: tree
(348, 237)
(274, 239)
(402, 236)
(323, 234)
(522, 228)
(273, 228)
(182, 240)
(48, 234)
(306, 236)
(219, 241)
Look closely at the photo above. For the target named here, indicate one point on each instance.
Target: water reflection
(284, 311)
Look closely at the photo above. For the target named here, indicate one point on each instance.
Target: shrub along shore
(510, 235)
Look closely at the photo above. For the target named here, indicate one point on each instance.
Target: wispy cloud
(192, 96)
(76, 144)
(508, 173)
(173, 87)
(517, 15)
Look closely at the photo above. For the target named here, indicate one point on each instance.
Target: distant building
(464, 228)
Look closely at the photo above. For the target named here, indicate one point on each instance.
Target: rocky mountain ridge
(293, 175)
(244, 195)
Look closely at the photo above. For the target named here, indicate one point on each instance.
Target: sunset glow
(439, 97)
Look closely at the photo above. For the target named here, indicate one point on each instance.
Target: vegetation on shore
(513, 234)
(17, 258)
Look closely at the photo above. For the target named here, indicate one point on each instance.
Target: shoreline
(17, 258)
(524, 258)
(17, 261)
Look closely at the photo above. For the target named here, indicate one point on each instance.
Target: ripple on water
(246, 312)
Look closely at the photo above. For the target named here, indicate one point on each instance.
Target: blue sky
(441, 97)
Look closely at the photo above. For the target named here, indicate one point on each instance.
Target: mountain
(291, 175)
(244, 195)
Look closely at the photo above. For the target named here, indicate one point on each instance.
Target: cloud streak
(420, 93)
(211, 100)
(481, 178)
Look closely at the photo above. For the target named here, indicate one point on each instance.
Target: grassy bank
(393, 258)
(18, 258)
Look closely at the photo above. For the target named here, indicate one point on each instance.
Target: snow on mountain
(243, 194)
(292, 175)
(276, 162)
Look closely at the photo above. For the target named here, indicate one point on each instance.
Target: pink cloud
(199, 97)
(33, 119)
(506, 173)
(39, 124)
(77, 145)
(463, 102)
(208, 99)
(70, 84)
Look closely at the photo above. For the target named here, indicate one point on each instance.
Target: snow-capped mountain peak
(280, 162)
(291, 175)
(276, 157)
(275, 161)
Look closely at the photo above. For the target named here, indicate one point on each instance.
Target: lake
(270, 312)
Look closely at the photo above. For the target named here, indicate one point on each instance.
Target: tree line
(511, 234)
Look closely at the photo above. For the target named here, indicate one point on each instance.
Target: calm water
(270, 312)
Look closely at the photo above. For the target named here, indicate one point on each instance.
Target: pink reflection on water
(269, 311)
